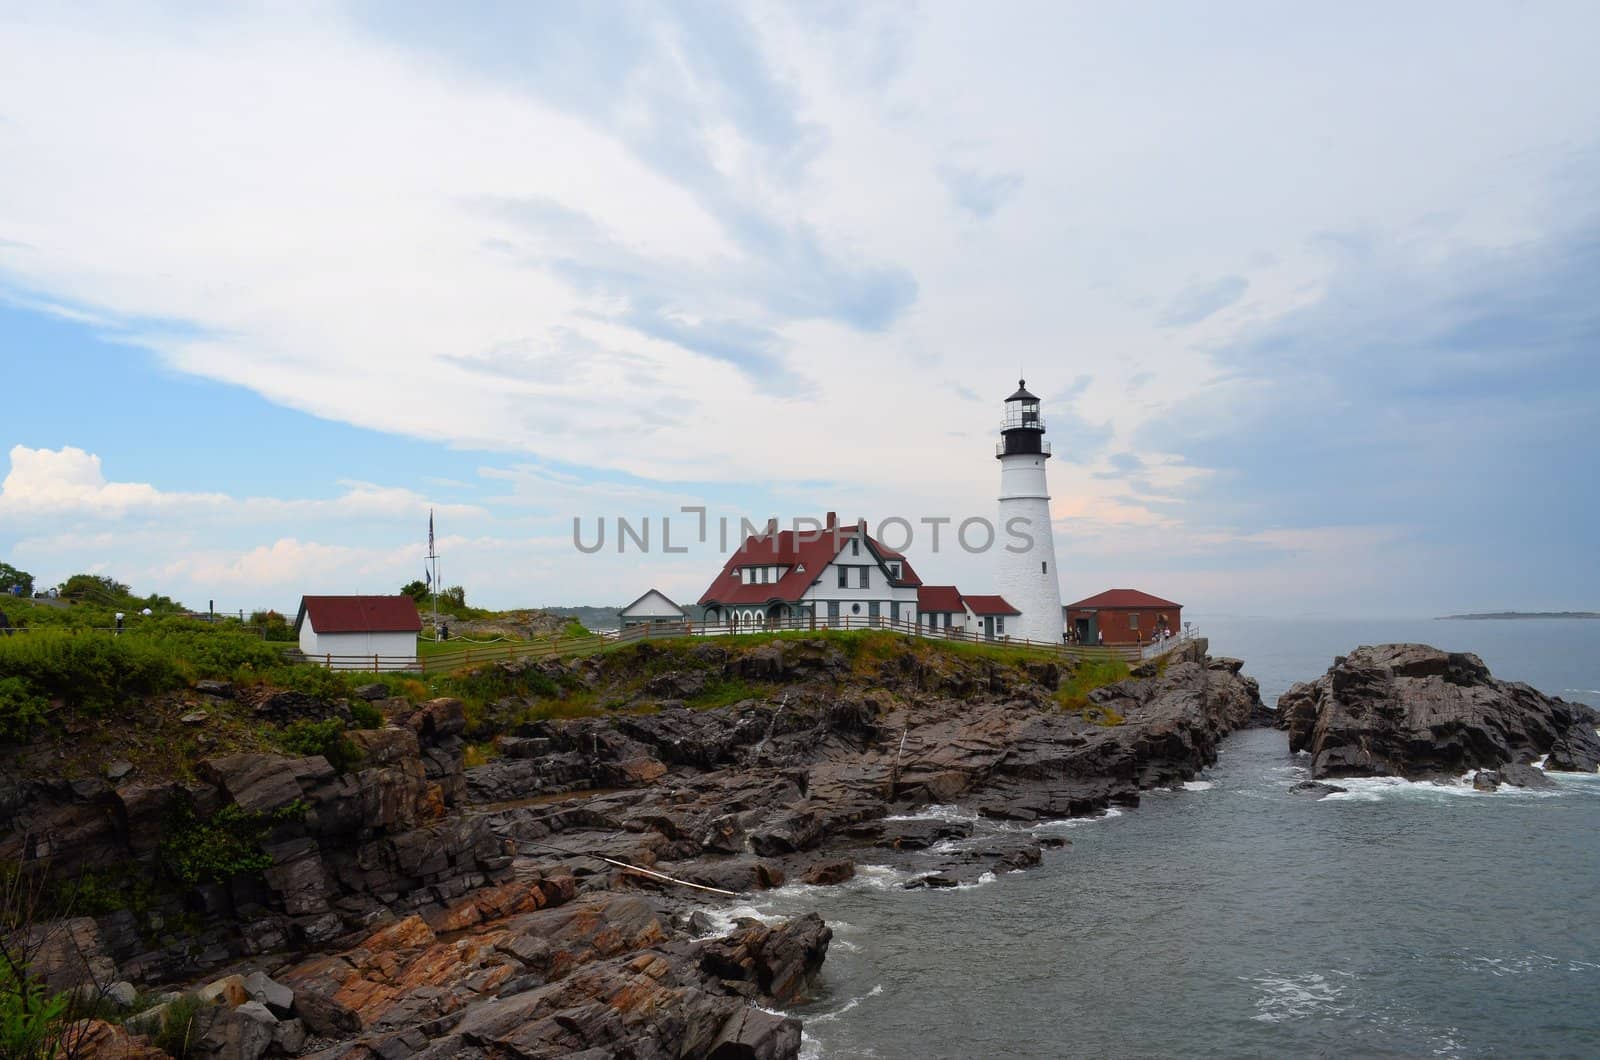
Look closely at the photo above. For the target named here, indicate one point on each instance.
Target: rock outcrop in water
(416, 907)
(1410, 710)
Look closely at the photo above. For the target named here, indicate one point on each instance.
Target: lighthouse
(1026, 569)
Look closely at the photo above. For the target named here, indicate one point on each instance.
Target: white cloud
(49, 483)
(502, 257)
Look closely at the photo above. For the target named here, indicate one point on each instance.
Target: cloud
(980, 194)
(1202, 300)
(69, 482)
(731, 250)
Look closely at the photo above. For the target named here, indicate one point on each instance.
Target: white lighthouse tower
(1026, 569)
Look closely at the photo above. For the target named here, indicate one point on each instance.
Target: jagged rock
(1486, 780)
(493, 933)
(281, 708)
(753, 1034)
(96, 1039)
(229, 990)
(1415, 711)
(371, 692)
(273, 994)
(195, 717)
(830, 872)
(241, 1033)
(1519, 775)
(919, 834)
(219, 689)
(1316, 788)
(117, 770)
(122, 993)
(438, 719)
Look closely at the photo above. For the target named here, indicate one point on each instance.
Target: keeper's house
(822, 578)
(345, 632)
(1122, 616)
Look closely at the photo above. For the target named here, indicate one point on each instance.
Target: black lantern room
(1022, 430)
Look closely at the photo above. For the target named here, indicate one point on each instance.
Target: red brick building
(1122, 616)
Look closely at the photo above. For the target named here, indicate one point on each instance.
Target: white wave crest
(828, 1017)
(1198, 785)
(1377, 789)
(1076, 822)
(936, 812)
(1290, 997)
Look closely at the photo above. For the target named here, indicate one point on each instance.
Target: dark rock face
(518, 909)
(1414, 711)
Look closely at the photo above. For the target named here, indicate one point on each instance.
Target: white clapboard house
(346, 632)
(654, 608)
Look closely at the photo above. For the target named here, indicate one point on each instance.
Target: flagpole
(433, 558)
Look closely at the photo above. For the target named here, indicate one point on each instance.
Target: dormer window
(894, 570)
(855, 546)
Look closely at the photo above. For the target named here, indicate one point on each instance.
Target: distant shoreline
(1523, 614)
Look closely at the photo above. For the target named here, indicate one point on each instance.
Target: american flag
(430, 531)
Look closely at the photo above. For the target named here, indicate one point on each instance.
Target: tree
(96, 588)
(455, 595)
(11, 576)
(417, 590)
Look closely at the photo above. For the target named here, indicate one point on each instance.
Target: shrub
(20, 709)
(219, 847)
(325, 738)
(365, 715)
(31, 1017)
(1087, 676)
(477, 754)
(178, 1033)
(274, 626)
(88, 671)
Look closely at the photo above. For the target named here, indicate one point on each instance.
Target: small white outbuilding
(654, 608)
(359, 632)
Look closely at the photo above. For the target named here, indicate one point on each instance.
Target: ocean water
(1234, 919)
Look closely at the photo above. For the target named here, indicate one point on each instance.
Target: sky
(1308, 292)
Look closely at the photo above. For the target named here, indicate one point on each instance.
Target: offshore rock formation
(1410, 710)
(414, 907)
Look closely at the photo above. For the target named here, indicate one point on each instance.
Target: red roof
(805, 553)
(940, 598)
(1123, 598)
(360, 614)
(990, 605)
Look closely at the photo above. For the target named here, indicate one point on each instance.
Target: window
(1133, 620)
(999, 623)
(844, 577)
(1044, 568)
(855, 546)
(894, 570)
(866, 577)
(855, 609)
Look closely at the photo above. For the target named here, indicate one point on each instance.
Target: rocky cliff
(526, 907)
(1410, 710)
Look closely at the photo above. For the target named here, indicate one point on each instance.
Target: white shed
(359, 632)
(654, 608)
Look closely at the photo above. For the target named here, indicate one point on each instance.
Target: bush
(274, 626)
(20, 709)
(32, 1019)
(178, 1033)
(325, 738)
(217, 848)
(1087, 676)
(88, 671)
(365, 715)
